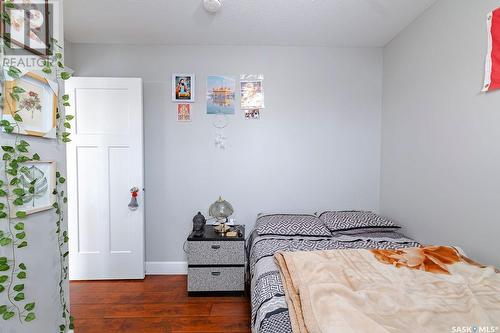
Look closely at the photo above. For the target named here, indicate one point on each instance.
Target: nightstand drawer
(216, 253)
(216, 279)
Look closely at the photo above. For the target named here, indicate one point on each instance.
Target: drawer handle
(215, 273)
(215, 247)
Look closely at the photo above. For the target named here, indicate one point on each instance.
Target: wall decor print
(252, 91)
(33, 98)
(31, 33)
(252, 114)
(492, 72)
(183, 112)
(38, 180)
(220, 94)
(183, 88)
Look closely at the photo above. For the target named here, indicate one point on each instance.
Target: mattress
(269, 307)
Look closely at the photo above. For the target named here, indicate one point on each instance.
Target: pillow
(355, 222)
(291, 225)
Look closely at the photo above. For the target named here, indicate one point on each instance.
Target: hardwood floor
(159, 304)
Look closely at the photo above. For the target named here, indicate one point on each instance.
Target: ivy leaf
(22, 148)
(22, 266)
(14, 96)
(7, 315)
(20, 214)
(12, 172)
(3, 215)
(14, 72)
(14, 181)
(69, 117)
(3, 260)
(5, 241)
(19, 192)
(62, 180)
(2, 205)
(3, 278)
(65, 76)
(4, 123)
(19, 287)
(29, 306)
(30, 317)
(21, 235)
(21, 275)
(8, 149)
(18, 118)
(6, 157)
(18, 90)
(23, 143)
(36, 157)
(8, 129)
(22, 159)
(2, 288)
(23, 244)
(18, 202)
(19, 297)
(65, 97)
(66, 140)
(2, 193)
(3, 308)
(67, 125)
(4, 267)
(47, 70)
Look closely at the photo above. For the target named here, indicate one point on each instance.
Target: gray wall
(316, 146)
(440, 136)
(42, 254)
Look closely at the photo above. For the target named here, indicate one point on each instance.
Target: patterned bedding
(269, 307)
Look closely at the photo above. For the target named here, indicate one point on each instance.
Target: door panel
(105, 160)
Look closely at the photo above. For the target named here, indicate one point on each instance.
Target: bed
(304, 232)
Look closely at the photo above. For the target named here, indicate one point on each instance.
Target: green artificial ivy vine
(14, 274)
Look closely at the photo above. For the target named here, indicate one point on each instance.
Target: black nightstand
(216, 264)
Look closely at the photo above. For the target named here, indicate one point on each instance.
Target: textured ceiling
(341, 23)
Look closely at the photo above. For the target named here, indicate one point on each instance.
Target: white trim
(488, 64)
(166, 267)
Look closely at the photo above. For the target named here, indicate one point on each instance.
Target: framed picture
(29, 26)
(220, 94)
(34, 99)
(38, 180)
(183, 88)
(184, 112)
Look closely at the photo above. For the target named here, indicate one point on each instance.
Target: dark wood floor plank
(159, 304)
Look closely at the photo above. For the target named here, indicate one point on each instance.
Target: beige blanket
(433, 289)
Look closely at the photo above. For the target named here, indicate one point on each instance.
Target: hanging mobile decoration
(133, 205)
(220, 122)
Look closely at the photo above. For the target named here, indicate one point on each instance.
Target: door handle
(215, 247)
(215, 273)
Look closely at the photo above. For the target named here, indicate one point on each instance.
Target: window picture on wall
(38, 180)
(252, 91)
(183, 88)
(33, 99)
(183, 112)
(220, 95)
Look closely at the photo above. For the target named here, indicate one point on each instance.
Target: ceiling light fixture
(212, 6)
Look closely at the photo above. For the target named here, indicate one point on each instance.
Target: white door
(105, 160)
